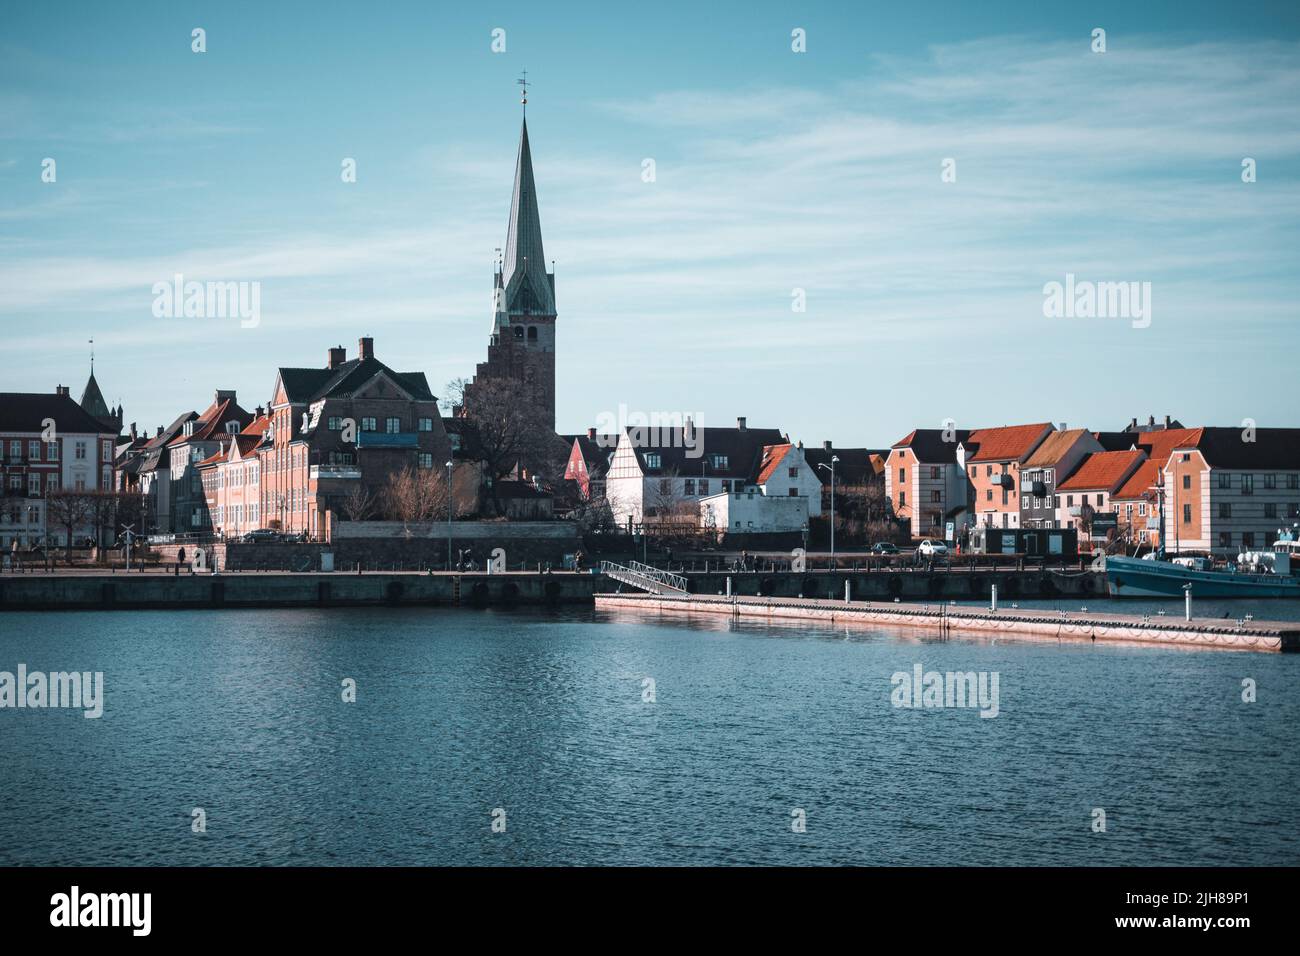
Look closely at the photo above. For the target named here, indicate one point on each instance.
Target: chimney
(366, 348)
(591, 433)
(61, 390)
(1063, 426)
(337, 356)
(1151, 420)
(740, 423)
(259, 411)
(826, 445)
(133, 432)
(801, 444)
(1167, 421)
(159, 430)
(1133, 425)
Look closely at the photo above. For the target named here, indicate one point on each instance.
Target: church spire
(527, 287)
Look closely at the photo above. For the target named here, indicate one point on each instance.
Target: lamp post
(834, 459)
(449, 496)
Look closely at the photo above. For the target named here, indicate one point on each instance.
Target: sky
(781, 179)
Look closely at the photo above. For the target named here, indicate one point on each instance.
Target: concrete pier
(165, 591)
(941, 618)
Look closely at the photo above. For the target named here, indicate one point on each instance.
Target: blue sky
(775, 171)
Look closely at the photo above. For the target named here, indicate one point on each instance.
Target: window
(33, 484)
(392, 425)
(1225, 510)
(1270, 481)
(902, 499)
(1142, 510)
(426, 424)
(368, 425)
(988, 469)
(665, 486)
(426, 460)
(902, 476)
(34, 450)
(936, 496)
(726, 484)
(1270, 510)
(794, 492)
(1293, 482)
(107, 478)
(704, 486)
(1225, 539)
(1247, 484)
(690, 486)
(934, 471)
(652, 459)
(1024, 502)
(988, 494)
(972, 471)
(79, 453)
(1047, 477)
(1225, 480)
(52, 451)
(335, 423)
(1056, 501)
(718, 461)
(51, 482)
(1187, 514)
(1248, 539)
(1187, 482)
(794, 472)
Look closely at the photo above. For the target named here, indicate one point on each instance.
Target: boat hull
(1133, 577)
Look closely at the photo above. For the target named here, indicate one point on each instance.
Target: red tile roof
(1006, 443)
(1159, 445)
(1102, 471)
(1141, 482)
(772, 457)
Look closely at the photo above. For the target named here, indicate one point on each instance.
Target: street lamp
(449, 463)
(834, 459)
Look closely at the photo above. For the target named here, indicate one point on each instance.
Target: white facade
(752, 512)
(793, 477)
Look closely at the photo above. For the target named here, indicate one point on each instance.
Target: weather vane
(523, 91)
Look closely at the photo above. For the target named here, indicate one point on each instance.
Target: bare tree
(453, 398)
(360, 503)
(512, 434)
(416, 495)
(70, 509)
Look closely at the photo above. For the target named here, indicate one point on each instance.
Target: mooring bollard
(728, 585)
(1187, 601)
(847, 592)
(994, 605)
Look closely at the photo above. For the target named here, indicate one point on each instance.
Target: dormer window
(232, 427)
(652, 459)
(189, 428)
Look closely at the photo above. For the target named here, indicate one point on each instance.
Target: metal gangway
(645, 577)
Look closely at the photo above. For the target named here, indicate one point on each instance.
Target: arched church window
(519, 331)
(532, 333)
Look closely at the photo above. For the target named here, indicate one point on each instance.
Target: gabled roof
(1054, 448)
(856, 466)
(1141, 483)
(773, 455)
(929, 446)
(306, 385)
(595, 452)
(524, 265)
(27, 411)
(1116, 441)
(1159, 445)
(212, 422)
(741, 447)
(1277, 448)
(1102, 471)
(1007, 443)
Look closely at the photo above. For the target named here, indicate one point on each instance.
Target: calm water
(458, 713)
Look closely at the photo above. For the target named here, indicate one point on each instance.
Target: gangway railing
(645, 577)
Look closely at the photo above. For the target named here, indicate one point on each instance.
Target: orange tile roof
(772, 456)
(1101, 471)
(1005, 443)
(1141, 482)
(1053, 447)
(1160, 444)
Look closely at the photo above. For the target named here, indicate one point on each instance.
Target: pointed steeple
(527, 287)
(92, 399)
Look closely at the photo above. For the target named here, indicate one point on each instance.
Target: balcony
(388, 440)
(335, 471)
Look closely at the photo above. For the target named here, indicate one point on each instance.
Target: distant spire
(524, 265)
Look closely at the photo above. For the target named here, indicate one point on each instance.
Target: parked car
(261, 534)
(884, 547)
(931, 550)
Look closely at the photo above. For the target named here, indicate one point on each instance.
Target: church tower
(522, 345)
